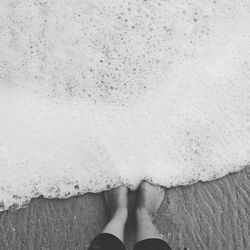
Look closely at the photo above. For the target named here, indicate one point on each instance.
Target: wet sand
(211, 215)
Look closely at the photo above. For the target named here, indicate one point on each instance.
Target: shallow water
(98, 93)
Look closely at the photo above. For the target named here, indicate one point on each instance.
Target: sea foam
(98, 93)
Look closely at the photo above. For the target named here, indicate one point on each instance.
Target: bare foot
(116, 201)
(149, 199)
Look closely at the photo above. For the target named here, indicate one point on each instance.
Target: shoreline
(209, 215)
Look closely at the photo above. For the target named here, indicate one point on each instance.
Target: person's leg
(116, 201)
(149, 199)
(112, 236)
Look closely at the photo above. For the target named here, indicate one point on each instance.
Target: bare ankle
(121, 213)
(143, 214)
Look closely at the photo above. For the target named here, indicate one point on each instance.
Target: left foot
(116, 201)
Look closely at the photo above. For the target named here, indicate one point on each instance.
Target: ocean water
(99, 93)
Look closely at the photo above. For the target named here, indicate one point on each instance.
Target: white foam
(98, 93)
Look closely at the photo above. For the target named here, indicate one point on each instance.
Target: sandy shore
(212, 215)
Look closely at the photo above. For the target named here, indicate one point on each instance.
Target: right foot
(149, 199)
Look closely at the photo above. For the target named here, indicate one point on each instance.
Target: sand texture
(211, 215)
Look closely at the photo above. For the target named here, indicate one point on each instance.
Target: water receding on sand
(98, 93)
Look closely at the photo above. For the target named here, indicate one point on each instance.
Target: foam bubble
(98, 93)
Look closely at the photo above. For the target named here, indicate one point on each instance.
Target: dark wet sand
(213, 215)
